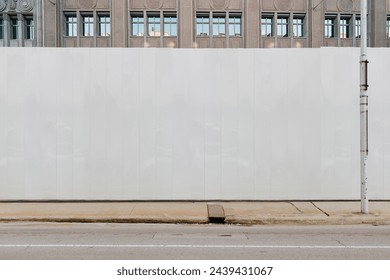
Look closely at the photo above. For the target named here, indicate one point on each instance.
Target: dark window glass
(1, 29)
(14, 29)
(30, 34)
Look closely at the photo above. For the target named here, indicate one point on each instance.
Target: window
(388, 27)
(329, 27)
(104, 25)
(234, 25)
(357, 27)
(71, 25)
(266, 26)
(170, 25)
(298, 25)
(345, 27)
(202, 25)
(137, 25)
(282, 25)
(154, 25)
(29, 28)
(219, 25)
(14, 28)
(1, 28)
(87, 25)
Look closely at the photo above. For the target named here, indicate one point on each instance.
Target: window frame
(388, 27)
(283, 24)
(267, 24)
(29, 28)
(137, 19)
(233, 25)
(87, 24)
(330, 28)
(357, 27)
(345, 26)
(171, 24)
(71, 27)
(104, 25)
(219, 24)
(299, 27)
(205, 21)
(14, 27)
(156, 22)
(1, 28)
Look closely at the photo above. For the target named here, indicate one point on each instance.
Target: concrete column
(186, 25)
(252, 24)
(7, 30)
(20, 31)
(316, 21)
(378, 23)
(119, 19)
(38, 23)
(51, 25)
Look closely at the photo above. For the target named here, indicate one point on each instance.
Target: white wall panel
(312, 125)
(147, 124)
(246, 122)
(3, 125)
(15, 185)
(295, 81)
(114, 125)
(188, 169)
(39, 125)
(64, 90)
(165, 89)
(129, 86)
(208, 84)
(264, 106)
(228, 91)
(189, 124)
(80, 70)
(379, 129)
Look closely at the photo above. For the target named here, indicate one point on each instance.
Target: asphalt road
(158, 241)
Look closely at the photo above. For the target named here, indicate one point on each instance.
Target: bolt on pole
(363, 109)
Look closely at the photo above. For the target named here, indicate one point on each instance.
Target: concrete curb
(141, 220)
(309, 220)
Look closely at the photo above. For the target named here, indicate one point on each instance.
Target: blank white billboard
(175, 124)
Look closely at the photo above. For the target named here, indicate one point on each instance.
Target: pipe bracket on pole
(364, 74)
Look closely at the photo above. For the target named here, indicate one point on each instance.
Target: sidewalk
(313, 213)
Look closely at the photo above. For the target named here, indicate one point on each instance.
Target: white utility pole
(363, 108)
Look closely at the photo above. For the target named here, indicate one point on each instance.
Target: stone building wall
(192, 23)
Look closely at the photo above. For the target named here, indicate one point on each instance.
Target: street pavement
(95, 241)
(246, 213)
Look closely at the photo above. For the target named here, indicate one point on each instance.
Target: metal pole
(363, 108)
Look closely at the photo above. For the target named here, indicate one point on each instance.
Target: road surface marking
(192, 246)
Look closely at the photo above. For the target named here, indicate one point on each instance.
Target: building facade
(191, 23)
